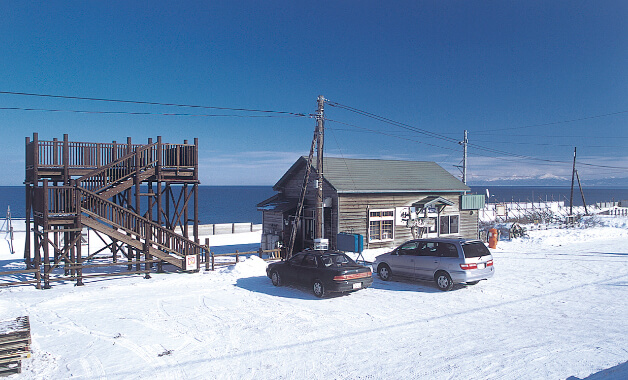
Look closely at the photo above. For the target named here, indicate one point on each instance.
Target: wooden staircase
(71, 185)
(122, 224)
(134, 230)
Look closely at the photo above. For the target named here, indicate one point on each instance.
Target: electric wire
(392, 122)
(149, 103)
(448, 139)
(390, 135)
(137, 113)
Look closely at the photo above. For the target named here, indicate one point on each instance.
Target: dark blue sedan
(324, 271)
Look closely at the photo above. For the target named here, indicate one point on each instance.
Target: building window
(449, 224)
(381, 225)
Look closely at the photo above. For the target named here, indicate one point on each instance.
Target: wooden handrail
(136, 224)
(117, 171)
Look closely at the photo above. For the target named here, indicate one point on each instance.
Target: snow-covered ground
(557, 308)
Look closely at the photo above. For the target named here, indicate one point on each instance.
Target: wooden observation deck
(132, 195)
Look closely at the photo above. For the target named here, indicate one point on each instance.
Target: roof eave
(401, 191)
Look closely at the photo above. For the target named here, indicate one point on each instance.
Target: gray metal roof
(383, 176)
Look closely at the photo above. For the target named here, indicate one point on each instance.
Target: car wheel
(443, 281)
(383, 271)
(472, 282)
(318, 288)
(275, 278)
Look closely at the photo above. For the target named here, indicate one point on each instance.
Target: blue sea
(592, 195)
(237, 204)
(216, 204)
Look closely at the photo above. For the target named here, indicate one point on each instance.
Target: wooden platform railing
(54, 201)
(55, 154)
(177, 155)
(60, 154)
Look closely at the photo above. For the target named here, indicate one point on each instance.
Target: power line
(389, 135)
(392, 122)
(149, 103)
(448, 139)
(135, 113)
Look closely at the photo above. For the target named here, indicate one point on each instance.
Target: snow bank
(247, 267)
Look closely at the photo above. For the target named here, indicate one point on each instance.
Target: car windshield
(475, 249)
(338, 260)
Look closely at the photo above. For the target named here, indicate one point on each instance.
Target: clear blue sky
(527, 79)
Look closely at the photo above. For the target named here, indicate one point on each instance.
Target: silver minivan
(446, 261)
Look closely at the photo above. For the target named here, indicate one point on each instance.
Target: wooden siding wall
(354, 218)
(272, 222)
(469, 220)
(349, 211)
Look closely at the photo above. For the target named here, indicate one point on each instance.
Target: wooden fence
(36, 280)
(211, 264)
(76, 270)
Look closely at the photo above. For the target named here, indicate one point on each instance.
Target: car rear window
(337, 261)
(475, 249)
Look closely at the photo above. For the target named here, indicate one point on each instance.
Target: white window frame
(380, 219)
(448, 216)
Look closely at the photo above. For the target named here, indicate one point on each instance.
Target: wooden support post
(79, 257)
(44, 237)
(213, 261)
(168, 195)
(195, 228)
(195, 156)
(237, 257)
(55, 151)
(78, 240)
(38, 276)
(147, 242)
(27, 223)
(114, 245)
(66, 160)
(185, 211)
(207, 254)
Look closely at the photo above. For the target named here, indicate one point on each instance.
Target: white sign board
(191, 262)
(402, 214)
(500, 210)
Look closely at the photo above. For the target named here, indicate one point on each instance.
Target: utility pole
(317, 144)
(464, 157)
(573, 173)
(464, 144)
(320, 132)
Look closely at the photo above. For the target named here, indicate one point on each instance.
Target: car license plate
(481, 266)
(357, 285)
